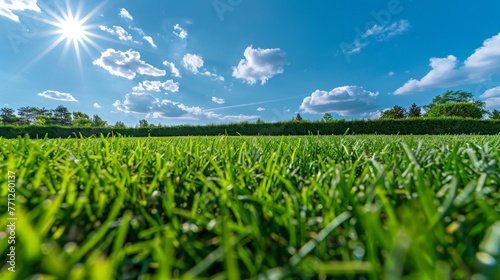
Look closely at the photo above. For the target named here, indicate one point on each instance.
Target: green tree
(495, 115)
(61, 116)
(414, 111)
(143, 123)
(327, 117)
(396, 112)
(452, 96)
(8, 116)
(298, 118)
(98, 122)
(81, 119)
(26, 116)
(457, 109)
(119, 124)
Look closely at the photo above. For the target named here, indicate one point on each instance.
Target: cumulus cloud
(144, 103)
(7, 8)
(447, 72)
(180, 32)
(126, 64)
(492, 97)
(125, 14)
(345, 101)
(194, 63)
(157, 86)
(260, 109)
(150, 41)
(173, 70)
(260, 65)
(379, 33)
(218, 100)
(97, 106)
(119, 31)
(56, 95)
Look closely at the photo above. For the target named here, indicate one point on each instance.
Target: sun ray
(71, 27)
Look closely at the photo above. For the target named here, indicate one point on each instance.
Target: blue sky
(220, 61)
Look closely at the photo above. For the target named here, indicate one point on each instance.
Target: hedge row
(418, 126)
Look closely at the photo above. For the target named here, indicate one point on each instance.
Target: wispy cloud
(119, 31)
(150, 41)
(56, 95)
(379, 33)
(255, 103)
(180, 32)
(125, 14)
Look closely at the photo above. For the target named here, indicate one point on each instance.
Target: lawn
(342, 207)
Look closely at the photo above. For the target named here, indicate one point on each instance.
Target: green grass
(351, 207)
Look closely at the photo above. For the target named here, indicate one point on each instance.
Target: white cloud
(97, 106)
(447, 72)
(7, 8)
(345, 101)
(390, 74)
(150, 41)
(213, 75)
(492, 98)
(119, 31)
(218, 100)
(144, 103)
(260, 109)
(194, 63)
(373, 115)
(125, 14)
(174, 71)
(157, 86)
(260, 65)
(492, 92)
(126, 64)
(56, 95)
(180, 32)
(138, 30)
(379, 33)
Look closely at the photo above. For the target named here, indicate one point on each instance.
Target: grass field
(341, 207)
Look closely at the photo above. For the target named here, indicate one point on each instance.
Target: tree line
(41, 116)
(451, 104)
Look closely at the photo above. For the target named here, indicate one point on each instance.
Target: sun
(72, 29)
